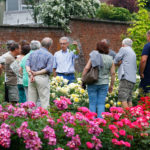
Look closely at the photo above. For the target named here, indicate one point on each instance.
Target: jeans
(69, 77)
(97, 95)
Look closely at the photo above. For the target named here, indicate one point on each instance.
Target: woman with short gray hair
(34, 45)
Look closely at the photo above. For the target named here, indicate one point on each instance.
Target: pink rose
(89, 145)
(122, 132)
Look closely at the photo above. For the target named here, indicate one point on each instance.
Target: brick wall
(86, 32)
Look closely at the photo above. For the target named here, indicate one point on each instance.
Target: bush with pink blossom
(26, 127)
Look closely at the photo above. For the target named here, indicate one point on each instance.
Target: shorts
(125, 90)
(13, 94)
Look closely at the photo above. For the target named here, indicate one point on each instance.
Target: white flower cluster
(74, 91)
(58, 12)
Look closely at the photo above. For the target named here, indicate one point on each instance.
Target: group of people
(27, 68)
(125, 61)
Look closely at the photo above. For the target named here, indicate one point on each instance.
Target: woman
(98, 91)
(34, 45)
(25, 48)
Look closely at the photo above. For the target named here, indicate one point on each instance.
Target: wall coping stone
(59, 28)
(38, 26)
(101, 20)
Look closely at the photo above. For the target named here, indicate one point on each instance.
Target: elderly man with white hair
(126, 60)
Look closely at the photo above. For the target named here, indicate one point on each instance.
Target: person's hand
(142, 75)
(1, 68)
(110, 89)
(32, 78)
(75, 43)
(34, 73)
(120, 62)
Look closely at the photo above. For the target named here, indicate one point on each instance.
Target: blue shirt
(146, 51)
(127, 70)
(64, 61)
(40, 59)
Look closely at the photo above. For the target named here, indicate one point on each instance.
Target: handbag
(91, 76)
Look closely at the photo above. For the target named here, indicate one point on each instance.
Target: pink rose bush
(26, 127)
(5, 135)
(62, 103)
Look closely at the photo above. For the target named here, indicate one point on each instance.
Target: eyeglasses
(63, 43)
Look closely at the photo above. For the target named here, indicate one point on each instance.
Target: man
(64, 60)
(2, 66)
(39, 66)
(126, 59)
(111, 52)
(145, 66)
(11, 78)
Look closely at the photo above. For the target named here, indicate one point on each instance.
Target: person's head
(102, 47)
(34, 45)
(148, 36)
(127, 42)
(23, 42)
(47, 43)
(9, 42)
(25, 49)
(15, 49)
(106, 41)
(64, 43)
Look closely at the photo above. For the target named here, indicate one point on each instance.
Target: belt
(66, 74)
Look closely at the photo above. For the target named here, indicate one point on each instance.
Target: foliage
(109, 12)
(58, 13)
(32, 4)
(147, 6)
(137, 30)
(1, 88)
(131, 5)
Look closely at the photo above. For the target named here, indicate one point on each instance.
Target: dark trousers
(6, 94)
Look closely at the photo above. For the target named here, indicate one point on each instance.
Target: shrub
(131, 5)
(58, 13)
(138, 29)
(109, 12)
(25, 127)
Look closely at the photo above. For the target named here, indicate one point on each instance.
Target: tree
(137, 31)
(58, 13)
(131, 5)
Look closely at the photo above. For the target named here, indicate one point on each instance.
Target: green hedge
(109, 12)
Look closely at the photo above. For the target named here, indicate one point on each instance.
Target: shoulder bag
(91, 76)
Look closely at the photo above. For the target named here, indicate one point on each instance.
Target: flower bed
(79, 96)
(26, 127)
